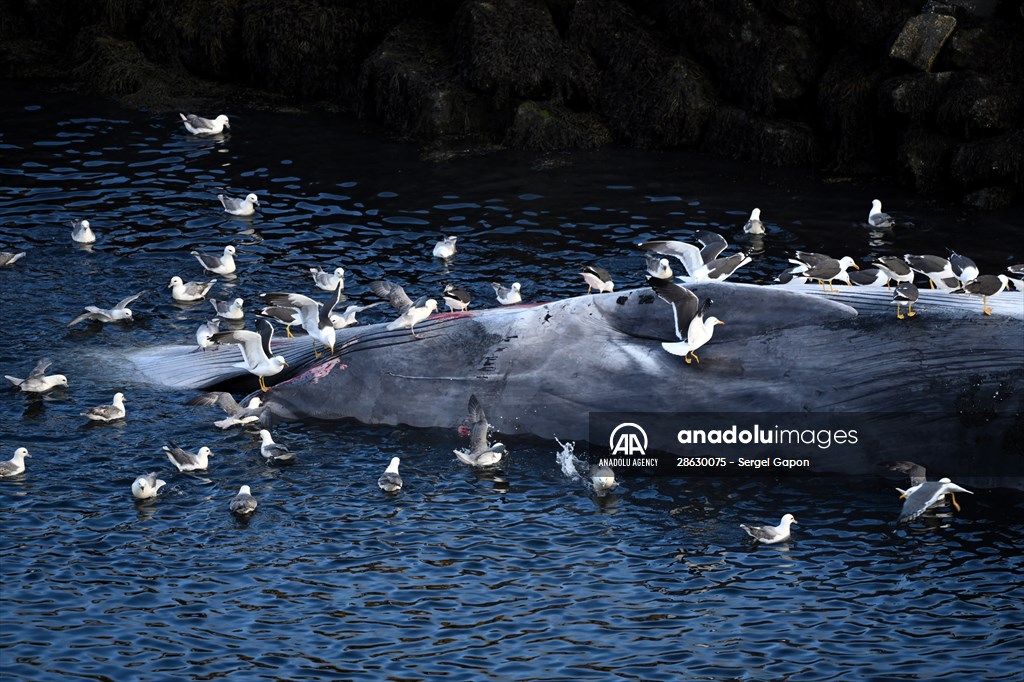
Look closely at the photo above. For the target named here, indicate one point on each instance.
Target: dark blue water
(520, 574)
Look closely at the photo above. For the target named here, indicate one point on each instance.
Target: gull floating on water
(692, 329)
(390, 481)
(445, 248)
(37, 381)
(14, 465)
(348, 318)
(229, 311)
(456, 298)
(409, 313)
(923, 496)
(274, 452)
(197, 125)
(188, 461)
(314, 318)
(191, 291)
(81, 233)
(146, 487)
(603, 479)
(658, 268)
(243, 503)
(257, 356)
(507, 295)
(480, 454)
(770, 535)
(218, 265)
(206, 331)
(597, 278)
(328, 281)
(116, 314)
(754, 225)
(108, 413)
(10, 258)
(237, 415)
(878, 219)
(241, 207)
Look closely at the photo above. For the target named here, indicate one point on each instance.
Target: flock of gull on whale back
(957, 274)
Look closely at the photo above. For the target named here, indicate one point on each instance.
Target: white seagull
(456, 298)
(770, 535)
(237, 415)
(701, 264)
(37, 381)
(754, 225)
(445, 248)
(480, 454)
(190, 291)
(878, 219)
(243, 504)
(108, 413)
(390, 481)
(119, 312)
(14, 465)
(603, 479)
(146, 487)
(218, 265)
(188, 461)
(241, 207)
(256, 351)
(328, 281)
(274, 452)
(314, 318)
(689, 319)
(409, 313)
(923, 496)
(205, 332)
(81, 233)
(197, 125)
(510, 295)
(348, 318)
(10, 257)
(597, 278)
(229, 311)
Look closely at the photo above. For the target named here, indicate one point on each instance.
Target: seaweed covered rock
(977, 105)
(992, 161)
(915, 97)
(409, 84)
(923, 157)
(922, 38)
(548, 126)
(870, 25)
(203, 36)
(735, 133)
(847, 109)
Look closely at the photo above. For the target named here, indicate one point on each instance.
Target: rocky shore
(928, 93)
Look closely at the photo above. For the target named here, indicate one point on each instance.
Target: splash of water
(568, 462)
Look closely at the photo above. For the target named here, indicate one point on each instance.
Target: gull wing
(684, 303)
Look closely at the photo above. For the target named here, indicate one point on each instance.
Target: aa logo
(628, 439)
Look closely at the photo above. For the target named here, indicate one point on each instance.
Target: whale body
(954, 375)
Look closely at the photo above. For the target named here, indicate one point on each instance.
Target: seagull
(1016, 276)
(10, 258)
(479, 454)
(456, 297)
(313, 317)
(37, 381)
(658, 268)
(878, 219)
(197, 125)
(963, 267)
(108, 413)
(409, 314)
(915, 471)
(205, 332)
(688, 315)
(824, 268)
(229, 311)
(286, 316)
(390, 481)
(14, 465)
(445, 248)
(246, 206)
(218, 265)
(895, 268)
(905, 293)
(770, 535)
(117, 313)
(923, 496)
(348, 318)
(146, 487)
(81, 233)
(192, 291)
(986, 286)
(188, 461)
(328, 281)
(869, 277)
(243, 503)
(274, 452)
(935, 268)
(754, 225)
(598, 278)
(236, 413)
(507, 295)
(701, 264)
(603, 479)
(256, 352)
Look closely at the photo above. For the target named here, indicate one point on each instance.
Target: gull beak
(720, 322)
(856, 266)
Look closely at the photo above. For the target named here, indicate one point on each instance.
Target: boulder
(923, 158)
(735, 133)
(922, 38)
(549, 126)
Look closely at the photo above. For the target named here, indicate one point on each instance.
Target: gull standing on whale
(692, 330)
(986, 286)
(905, 293)
(189, 291)
(456, 297)
(37, 381)
(770, 535)
(107, 413)
(205, 332)
(936, 268)
(257, 356)
(409, 313)
(188, 461)
(81, 233)
(479, 454)
(14, 465)
(597, 278)
(218, 265)
(119, 312)
(239, 207)
(314, 318)
(390, 481)
(824, 268)
(348, 317)
(197, 125)
(895, 268)
(147, 487)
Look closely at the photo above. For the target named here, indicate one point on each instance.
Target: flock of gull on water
(956, 274)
